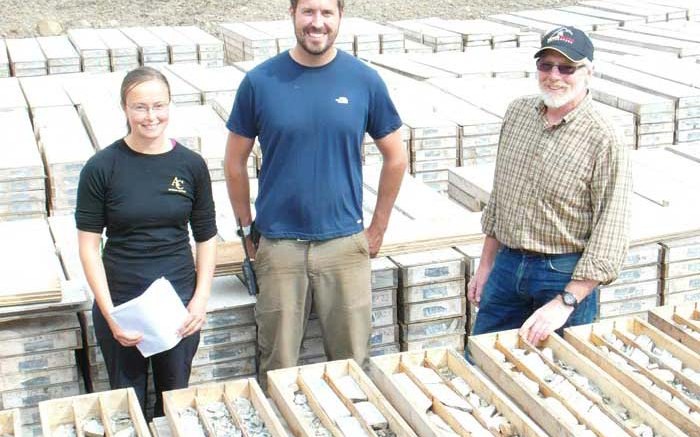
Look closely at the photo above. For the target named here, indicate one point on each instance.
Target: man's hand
(476, 284)
(375, 237)
(547, 319)
(197, 317)
(250, 246)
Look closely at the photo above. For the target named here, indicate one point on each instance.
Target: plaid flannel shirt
(562, 189)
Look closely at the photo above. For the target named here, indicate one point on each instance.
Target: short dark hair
(136, 77)
(293, 4)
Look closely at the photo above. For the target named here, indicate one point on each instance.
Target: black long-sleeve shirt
(146, 203)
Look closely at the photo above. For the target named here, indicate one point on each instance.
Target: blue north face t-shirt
(310, 122)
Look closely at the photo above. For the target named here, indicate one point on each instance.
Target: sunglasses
(564, 69)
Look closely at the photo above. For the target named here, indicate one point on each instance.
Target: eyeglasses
(158, 108)
(564, 69)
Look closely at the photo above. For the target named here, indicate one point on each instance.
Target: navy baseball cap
(570, 42)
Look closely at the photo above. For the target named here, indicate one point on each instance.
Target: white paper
(158, 313)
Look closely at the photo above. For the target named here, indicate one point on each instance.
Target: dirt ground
(20, 17)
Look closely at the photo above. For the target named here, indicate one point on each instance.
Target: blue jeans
(521, 282)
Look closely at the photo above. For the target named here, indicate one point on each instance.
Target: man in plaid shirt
(557, 221)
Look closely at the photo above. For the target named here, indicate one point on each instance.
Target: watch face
(569, 299)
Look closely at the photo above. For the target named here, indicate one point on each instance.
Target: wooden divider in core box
(577, 371)
(10, 424)
(199, 397)
(104, 406)
(600, 342)
(681, 322)
(283, 383)
(384, 371)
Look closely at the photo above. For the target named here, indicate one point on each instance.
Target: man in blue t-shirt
(310, 108)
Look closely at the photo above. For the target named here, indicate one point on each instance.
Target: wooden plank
(674, 320)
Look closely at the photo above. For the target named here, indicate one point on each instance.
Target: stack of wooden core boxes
(113, 413)
(61, 56)
(153, 51)
(385, 327)
(4, 60)
(232, 408)
(470, 186)
(371, 154)
(22, 191)
(432, 302)
(472, 256)
(636, 289)
(335, 398)
(94, 53)
(123, 52)
(37, 362)
(243, 42)
(479, 132)
(210, 50)
(686, 99)
(226, 347)
(65, 146)
(434, 148)
(440, 40)
(681, 271)
(26, 57)
(372, 38)
(655, 114)
(181, 49)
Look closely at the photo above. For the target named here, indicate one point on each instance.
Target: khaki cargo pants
(334, 275)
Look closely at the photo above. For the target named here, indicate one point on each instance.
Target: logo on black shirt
(177, 186)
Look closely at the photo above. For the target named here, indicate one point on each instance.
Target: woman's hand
(195, 321)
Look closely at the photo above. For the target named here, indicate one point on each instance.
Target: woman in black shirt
(145, 189)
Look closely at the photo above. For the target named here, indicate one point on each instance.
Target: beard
(312, 49)
(557, 100)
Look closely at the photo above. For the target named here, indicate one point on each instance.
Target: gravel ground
(20, 17)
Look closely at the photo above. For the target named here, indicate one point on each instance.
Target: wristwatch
(245, 230)
(569, 299)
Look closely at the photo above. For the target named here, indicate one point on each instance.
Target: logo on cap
(562, 34)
